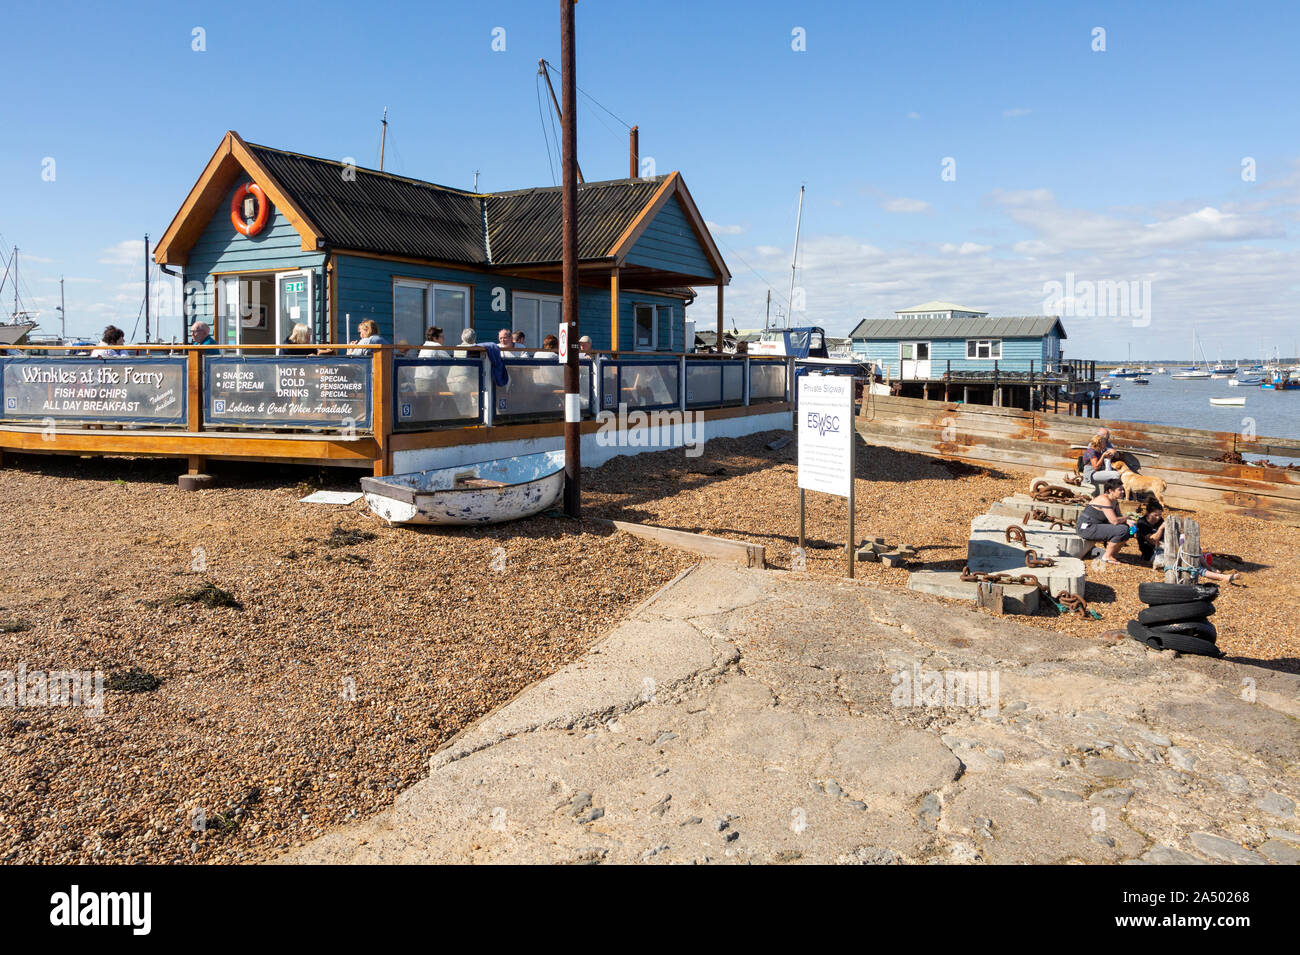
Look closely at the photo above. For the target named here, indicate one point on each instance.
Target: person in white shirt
(110, 346)
(433, 345)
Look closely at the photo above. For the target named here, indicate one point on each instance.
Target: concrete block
(1048, 541)
(1016, 598)
(1069, 574)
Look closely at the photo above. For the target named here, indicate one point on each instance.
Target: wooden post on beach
(1182, 549)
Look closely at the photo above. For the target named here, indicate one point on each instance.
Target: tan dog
(1134, 482)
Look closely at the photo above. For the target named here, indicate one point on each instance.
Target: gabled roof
(939, 307)
(351, 208)
(1030, 326)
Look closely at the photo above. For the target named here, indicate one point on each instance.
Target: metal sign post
(824, 428)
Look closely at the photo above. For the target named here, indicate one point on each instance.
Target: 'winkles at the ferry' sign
(130, 390)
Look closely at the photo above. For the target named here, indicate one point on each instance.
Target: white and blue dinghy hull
(487, 492)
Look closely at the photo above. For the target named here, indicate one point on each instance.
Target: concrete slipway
(744, 715)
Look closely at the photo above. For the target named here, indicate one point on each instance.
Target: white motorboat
(486, 492)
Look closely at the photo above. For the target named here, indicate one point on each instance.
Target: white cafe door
(293, 302)
(914, 359)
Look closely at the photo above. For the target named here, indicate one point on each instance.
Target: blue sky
(1122, 165)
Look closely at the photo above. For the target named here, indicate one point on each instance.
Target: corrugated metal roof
(378, 212)
(1029, 326)
(524, 226)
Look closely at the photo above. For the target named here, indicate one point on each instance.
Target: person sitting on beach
(1101, 521)
(369, 332)
(433, 346)
(200, 334)
(1097, 457)
(110, 346)
(1150, 534)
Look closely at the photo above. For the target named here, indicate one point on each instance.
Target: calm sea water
(1186, 404)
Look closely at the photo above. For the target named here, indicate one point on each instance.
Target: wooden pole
(718, 344)
(569, 213)
(613, 310)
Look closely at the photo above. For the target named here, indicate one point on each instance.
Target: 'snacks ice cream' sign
(308, 391)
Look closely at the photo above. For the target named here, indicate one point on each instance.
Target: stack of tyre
(1177, 617)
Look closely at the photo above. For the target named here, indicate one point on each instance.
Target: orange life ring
(237, 213)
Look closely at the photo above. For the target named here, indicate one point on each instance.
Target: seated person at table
(467, 337)
(200, 334)
(549, 344)
(1102, 522)
(433, 346)
(110, 346)
(369, 332)
(584, 346)
(1097, 457)
(1151, 539)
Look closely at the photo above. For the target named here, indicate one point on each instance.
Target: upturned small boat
(1228, 402)
(486, 492)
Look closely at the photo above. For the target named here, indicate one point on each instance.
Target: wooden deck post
(718, 343)
(194, 404)
(613, 312)
(381, 405)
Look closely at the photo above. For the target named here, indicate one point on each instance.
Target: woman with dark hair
(110, 346)
(1102, 522)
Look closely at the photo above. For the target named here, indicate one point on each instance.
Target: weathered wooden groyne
(1200, 466)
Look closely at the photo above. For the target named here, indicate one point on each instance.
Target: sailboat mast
(146, 288)
(794, 262)
(383, 138)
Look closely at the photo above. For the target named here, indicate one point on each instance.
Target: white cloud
(724, 229)
(913, 115)
(905, 206)
(126, 252)
(966, 248)
(1016, 113)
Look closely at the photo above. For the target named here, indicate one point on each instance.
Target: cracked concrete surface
(758, 716)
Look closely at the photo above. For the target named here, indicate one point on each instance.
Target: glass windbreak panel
(584, 386)
(436, 391)
(536, 388)
(766, 381)
(648, 386)
(609, 386)
(409, 314)
(450, 309)
(703, 384)
(733, 383)
(294, 306)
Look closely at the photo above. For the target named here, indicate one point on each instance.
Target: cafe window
(536, 316)
(417, 305)
(984, 348)
(653, 327)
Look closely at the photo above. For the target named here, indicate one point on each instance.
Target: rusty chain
(1016, 533)
(1033, 560)
(1074, 603)
(1038, 514)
